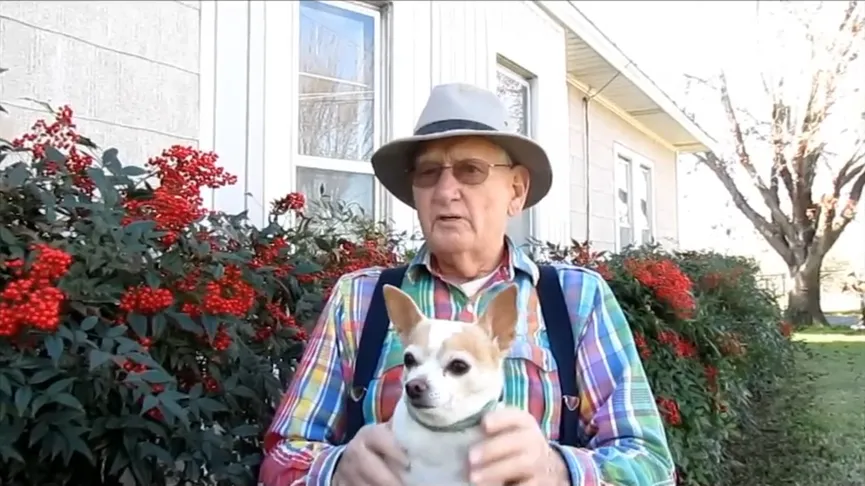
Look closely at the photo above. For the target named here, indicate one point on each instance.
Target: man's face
(465, 210)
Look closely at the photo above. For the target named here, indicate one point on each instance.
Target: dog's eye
(458, 367)
(409, 360)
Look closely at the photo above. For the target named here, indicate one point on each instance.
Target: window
(635, 210)
(515, 91)
(338, 102)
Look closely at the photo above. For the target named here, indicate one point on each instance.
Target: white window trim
(637, 162)
(350, 166)
(502, 66)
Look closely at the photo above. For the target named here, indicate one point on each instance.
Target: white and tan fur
(440, 458)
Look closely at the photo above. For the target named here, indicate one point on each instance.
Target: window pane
(626, 237)
(644, 204)
(349, 187)
(623, 197)
(515, 95)
(514, 92)
(337, 82)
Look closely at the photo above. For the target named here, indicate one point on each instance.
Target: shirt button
(470, 307)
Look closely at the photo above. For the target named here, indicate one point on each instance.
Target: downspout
(586, 177)
(586, 139)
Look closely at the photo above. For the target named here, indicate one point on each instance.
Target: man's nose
(416, 388)
(447, 188)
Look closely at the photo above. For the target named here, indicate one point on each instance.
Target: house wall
(129, 70)
(427, 43)
(607, 133)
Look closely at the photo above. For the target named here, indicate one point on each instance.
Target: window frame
(636, 165)
(298, 159)
(514, 72)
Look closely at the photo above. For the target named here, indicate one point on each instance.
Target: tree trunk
(803, 300)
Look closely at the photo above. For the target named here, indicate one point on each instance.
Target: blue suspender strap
(560, 334)
(372, 338)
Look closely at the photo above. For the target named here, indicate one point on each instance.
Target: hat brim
(392, 161)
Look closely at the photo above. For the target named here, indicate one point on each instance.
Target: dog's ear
(500, 317)
(401, 310)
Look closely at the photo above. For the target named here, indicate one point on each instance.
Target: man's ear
(402, 311)
(520, 184)
(500, 317)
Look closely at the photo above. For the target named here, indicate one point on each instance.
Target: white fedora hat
(460, 110)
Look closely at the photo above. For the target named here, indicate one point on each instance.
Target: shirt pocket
(532, 384)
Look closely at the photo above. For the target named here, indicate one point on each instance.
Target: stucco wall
(605, 131)
(129, 70)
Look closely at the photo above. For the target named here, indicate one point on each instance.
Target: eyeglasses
(470, 172)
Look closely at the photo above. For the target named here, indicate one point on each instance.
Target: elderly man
(581, 410)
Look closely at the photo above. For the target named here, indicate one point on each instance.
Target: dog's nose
(416, 388)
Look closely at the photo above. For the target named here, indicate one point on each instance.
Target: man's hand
(516, 452)
(372, 458)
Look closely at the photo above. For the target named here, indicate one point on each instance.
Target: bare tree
(795, 168)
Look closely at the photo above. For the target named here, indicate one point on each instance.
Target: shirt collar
(516, 260)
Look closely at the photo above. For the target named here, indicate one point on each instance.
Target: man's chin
(449, 241)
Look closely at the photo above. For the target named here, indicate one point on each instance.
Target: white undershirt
(473, 286)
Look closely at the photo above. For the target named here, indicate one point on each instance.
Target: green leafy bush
(141, 336)
(711, 341)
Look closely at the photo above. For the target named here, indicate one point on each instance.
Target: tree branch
(833, 224)
(744, 159)
(770, 232)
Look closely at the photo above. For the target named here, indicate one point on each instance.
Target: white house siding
(608, 133)
(129, 70)
(426, 43)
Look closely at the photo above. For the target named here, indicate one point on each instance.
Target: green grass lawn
(812, 433)
(837, 363)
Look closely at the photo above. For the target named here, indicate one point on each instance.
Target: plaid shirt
(619, 420)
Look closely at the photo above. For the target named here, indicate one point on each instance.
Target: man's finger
(384, 444)
(496, 448)
(376, 473)
(511, 469)
(499, 421)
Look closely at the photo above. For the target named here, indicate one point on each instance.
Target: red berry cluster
(667, 282)
(351, 257)
(268, 255)
(182, 173)
(129, 366)
(31, 297)
(293, 201)
(669, 409)
(222, 340)
(60, 135)
(210, 384)
(714, 280)
(145, 300)
(282, 319)
(228, 295)
(190, 281)
(681, 346)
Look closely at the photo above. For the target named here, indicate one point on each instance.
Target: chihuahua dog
(452, 376)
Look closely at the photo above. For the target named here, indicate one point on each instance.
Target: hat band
(452, 124)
